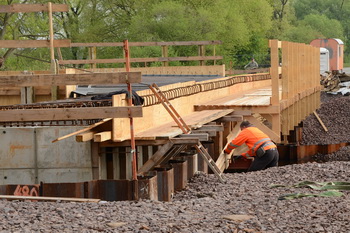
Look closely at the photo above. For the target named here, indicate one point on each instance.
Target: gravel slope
(335, 114)
(201, 207)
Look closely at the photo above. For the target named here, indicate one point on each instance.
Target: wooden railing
(298, 65)
(165, 59)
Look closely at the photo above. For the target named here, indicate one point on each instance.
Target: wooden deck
(195, 120)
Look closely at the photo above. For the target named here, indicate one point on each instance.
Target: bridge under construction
(116, 149)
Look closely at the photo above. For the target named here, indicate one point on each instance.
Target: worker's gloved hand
(234, 158)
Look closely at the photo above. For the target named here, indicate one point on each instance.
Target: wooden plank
(154, 160)
(286, 69)
(37, 198)
(274, 72)
(27, 8)
(149, 59)
(120, 44)
(84, 137)
(222, 161)
(82, 130)
(55, 114)
(70, 79)
(34, 43)
(103, 136)
(118, 124)
(321, 122)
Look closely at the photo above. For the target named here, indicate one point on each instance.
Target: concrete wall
(28, 156)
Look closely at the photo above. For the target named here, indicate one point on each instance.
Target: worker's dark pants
(269, 159)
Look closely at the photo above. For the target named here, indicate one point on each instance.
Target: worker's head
(245, 124)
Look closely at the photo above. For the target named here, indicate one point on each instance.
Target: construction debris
(334, 82)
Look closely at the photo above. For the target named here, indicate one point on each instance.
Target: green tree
(9, 26)
(333, 12)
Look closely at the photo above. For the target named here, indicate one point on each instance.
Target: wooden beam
(84, 137)
(272, 135)
(187, 141)
(198, 119)
(120, 44)
(214, 128)
(200, 136)
(210, 133)
(211, 130)
(27, 8)
(154, 160)
(12, 197)
(103, 136)
(242, 112)
(158, 142)
(69, 79)
(55, 114)
(34, 43)
(150, 59)
(285, 103)
(231, 118)
(157, 157)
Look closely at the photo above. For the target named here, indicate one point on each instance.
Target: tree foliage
(244, 27)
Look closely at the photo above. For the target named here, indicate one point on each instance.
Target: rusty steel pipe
(132, 135)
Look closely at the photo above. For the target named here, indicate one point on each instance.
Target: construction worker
(261, 147)
(251, 65)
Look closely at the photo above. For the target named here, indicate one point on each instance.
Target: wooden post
(95, 161)
(275, 98)
(214, 52)
(274, 72)
(93, 56)
(165, 54)
(139, 150)
(102, 164)
(27, 95)
(116, 163)
(59, 54)
(201, 52)
(54, 89)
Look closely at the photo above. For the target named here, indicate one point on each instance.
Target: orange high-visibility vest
(253, 138)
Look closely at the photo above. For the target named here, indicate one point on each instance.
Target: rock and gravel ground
(201, 207)
(207, 205)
